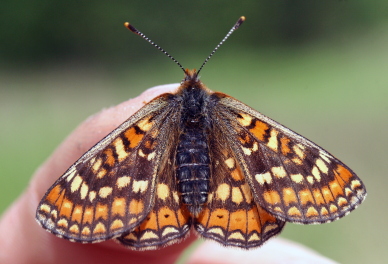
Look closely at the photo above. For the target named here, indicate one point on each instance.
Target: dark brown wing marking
(110, 189)
(290, 176)
(231, 216)
(169, 221)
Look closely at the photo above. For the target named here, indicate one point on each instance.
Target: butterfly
(197, 159)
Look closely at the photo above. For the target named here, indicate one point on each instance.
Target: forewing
(169, 221)
(110, 189)
(231, 216)
(290, 176)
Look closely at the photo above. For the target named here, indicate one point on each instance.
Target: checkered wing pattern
(291, 177)
(231, 216)
(169, 220)
(110, 189)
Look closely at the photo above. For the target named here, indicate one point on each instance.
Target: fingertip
(88, 133)
(29, 237)
(291, 252)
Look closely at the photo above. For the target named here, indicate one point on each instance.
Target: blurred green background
(318, 67)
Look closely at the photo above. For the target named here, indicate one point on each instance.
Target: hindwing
(231, 215)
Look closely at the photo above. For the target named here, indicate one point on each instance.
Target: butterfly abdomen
(192, 157)
(193, 171)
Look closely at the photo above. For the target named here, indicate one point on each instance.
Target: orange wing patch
(231, 216)
(103, 194)
(293, 178)
(168, 223)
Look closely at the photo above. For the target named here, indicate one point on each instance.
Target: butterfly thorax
(192, 157)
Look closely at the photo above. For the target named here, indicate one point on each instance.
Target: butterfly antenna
(134, 30)
(236, 26)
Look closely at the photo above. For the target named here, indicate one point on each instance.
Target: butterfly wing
(110, 189)
(290, 176)
(169, 221)
(231, 216)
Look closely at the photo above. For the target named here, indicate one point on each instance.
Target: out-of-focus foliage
(48, 30)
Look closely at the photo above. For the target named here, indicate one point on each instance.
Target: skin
(22, 240)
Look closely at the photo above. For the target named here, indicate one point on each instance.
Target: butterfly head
(191, 76)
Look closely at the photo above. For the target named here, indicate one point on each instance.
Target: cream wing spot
(245, 119)
(105, 191)
(163, 191)
(355, 184)
(246, 151)
(294, 211)
(151, 156)
(45, 208)
(298, 149)
(84, 190)
(223, 191)
(230, 163)
(217, 231)
(236, 235)
(322, 166)
(315, 172)
(96, 165)
(324, 157)
(145, 124)
(246, 190)
(298, 178)
(279, 172)
(310, 179)
(237, 196)
(92, 195)
(348, 191)
(264, 178)
(131, 236)
(297, 161)
(149, 235)
(123, 181)
(54, 214)
(254, 237)
(63, 223)
(311, 212)
(76, 183)
(302, 147)
(85, 231)
(255, 147)
(324, 211)
(141, 153)
(333, 208)
(139, 186)
(71, 174)
(101, 173)
(268, 228)
(116, 224)
(342, 201)
(273, 140)
(209, 198)
(100, 228)
(170, 230)
(120, 149)
(74, 229)
(176, 196)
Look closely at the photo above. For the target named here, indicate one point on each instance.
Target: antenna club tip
(239, 22)
(130, 27)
